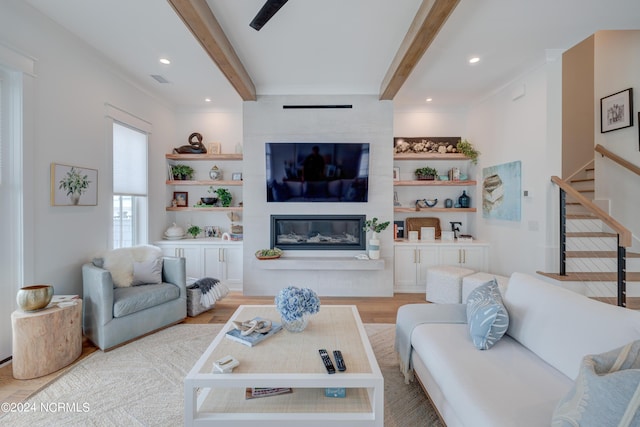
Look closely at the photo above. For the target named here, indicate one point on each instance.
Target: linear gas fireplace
(318, 232)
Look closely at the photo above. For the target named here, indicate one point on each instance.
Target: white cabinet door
(410, 267)
(224, 263)
(191, 254)
(213, 262)
(405, 267)
(233, 265)
(473, 257)
(427, 257)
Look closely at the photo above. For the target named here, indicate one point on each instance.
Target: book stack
(253, 338)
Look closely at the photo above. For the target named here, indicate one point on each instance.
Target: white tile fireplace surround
(329, 272)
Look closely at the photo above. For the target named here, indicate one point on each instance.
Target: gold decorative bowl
(35, 297)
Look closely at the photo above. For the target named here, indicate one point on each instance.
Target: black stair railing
(623, 235)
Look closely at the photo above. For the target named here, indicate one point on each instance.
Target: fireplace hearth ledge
(319, 263)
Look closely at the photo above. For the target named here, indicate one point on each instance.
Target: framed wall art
(181, 198)
(73, 185)
(214, 148)
(616, 111)
(501, 186)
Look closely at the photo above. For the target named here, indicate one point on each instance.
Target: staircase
(591, 265)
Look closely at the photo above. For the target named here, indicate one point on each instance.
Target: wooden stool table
(45, 341)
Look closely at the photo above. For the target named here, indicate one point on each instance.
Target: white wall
(525, 129)
(369, 121)
(613, 182)
(71, 86)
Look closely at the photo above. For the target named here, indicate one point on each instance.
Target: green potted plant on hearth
(426, 173)
(372, 225)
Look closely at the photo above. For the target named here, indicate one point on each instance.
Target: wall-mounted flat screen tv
(317, 171)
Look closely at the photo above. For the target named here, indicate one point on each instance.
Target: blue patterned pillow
(486, 315)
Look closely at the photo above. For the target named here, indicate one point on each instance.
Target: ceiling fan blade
(268, 10)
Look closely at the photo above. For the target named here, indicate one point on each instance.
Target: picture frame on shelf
(396, 174)
(214, 148)
(181, 198)
(616, 111)
(236, 176)
(73, 185)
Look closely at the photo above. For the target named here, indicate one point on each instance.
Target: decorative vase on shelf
(298, 324)
(464, 200)
(215, 173)
(374, 247)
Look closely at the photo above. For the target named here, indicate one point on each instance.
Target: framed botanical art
(616, 111)
(73, 185)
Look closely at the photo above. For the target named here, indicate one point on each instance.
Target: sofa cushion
(504, 387)
(545, 318)
(133, 299)
(120, 261)
(486, 315)
(604, 391)
(147, 272)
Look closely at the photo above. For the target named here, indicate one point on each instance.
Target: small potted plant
(194, 230)
(426, 173)
(182, 172)
(224, 196)
(74, 184)
(374, 243)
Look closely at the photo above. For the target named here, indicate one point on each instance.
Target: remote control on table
(337, 354)
(327, 361)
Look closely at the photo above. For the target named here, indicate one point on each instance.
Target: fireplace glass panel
(318, 232)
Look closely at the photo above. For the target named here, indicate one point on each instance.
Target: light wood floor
(372, 310)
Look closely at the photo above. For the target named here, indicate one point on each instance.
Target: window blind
(129, 161)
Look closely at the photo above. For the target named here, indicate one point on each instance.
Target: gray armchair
(113, 316)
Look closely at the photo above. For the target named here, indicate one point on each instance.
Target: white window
(130, 213)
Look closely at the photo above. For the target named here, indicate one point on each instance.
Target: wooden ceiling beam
(428, 21)
(200, 20)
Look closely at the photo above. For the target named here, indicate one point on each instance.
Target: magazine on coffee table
(255, 392)
(253, 338)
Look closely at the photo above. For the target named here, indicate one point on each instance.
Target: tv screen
(317, 172)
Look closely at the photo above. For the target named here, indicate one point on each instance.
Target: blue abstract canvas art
(501, 191)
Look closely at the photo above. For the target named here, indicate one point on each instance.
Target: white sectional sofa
(520, 380)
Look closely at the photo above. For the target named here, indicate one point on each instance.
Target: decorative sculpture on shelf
(194, 147)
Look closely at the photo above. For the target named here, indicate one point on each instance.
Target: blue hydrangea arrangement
(292, 302)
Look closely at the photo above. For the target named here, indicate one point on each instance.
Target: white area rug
(141, 384)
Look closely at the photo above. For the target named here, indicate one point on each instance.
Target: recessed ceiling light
(474, 60)
(429, 99)
(165, 61)
(207, 100)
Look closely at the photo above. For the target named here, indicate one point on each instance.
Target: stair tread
(599, 254)
(591, 277)
(583, 180)
(581, 216)
(590, 234)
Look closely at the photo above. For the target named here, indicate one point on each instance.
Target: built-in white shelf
(320, 263)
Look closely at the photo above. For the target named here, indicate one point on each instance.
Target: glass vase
(296, 325)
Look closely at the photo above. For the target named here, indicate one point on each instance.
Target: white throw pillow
(119, 262)
(147, 272)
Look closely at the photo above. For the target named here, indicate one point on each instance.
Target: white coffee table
(289, 360)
